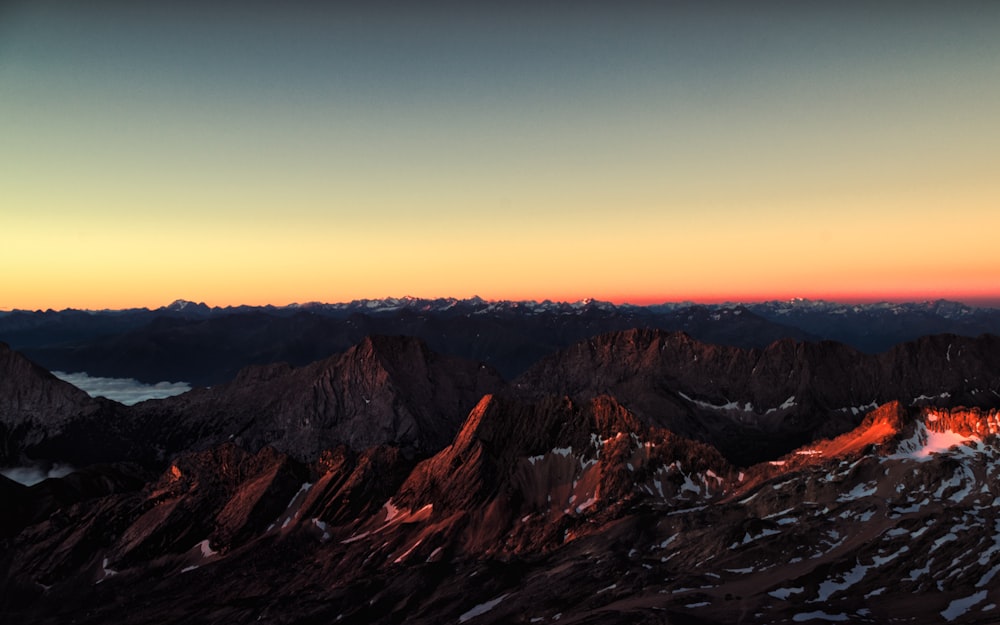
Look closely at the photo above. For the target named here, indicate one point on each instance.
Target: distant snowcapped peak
(179, 305)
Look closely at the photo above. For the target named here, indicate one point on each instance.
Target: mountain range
(191, 342)
(639, 475)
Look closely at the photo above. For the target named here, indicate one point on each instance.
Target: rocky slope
(588, 518)
(391, 390)
(44, 417)
(573, 496)
(754, 404)
(384, 390)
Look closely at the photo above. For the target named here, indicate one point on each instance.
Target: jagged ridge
(546, 503)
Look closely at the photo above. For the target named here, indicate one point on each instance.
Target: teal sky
(642, 151)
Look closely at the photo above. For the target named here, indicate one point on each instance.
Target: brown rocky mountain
(35, 402)
(44, 417)
(893, 521)
(755, 404)
(385, 390)
(566, 497)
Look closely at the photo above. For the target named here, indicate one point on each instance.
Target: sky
(257, 152)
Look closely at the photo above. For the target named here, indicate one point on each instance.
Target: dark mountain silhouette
(385, 390)
(42, 417)
(209, 346)
(204, 346)
(875, 328)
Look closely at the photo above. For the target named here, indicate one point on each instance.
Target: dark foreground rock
(602, 487)
(590, 517)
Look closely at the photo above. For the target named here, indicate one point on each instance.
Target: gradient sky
(252, 152)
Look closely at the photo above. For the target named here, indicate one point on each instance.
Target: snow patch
(926, 442)
(321, 525)
(788, 403)
(206, 549)
(819, 615)
(391, 511)
(958, 607)
(729, 405)
(482, 608)
(107, 571)
(859, 491)
(785, 593)
(848, 579)
(302, 489)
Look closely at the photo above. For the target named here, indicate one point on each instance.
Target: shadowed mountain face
(759, 403)
(44, 417)
(209, 346)
(385, 390)
(639, 476)
(206, 346)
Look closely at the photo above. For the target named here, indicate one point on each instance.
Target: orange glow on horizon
(985, 298)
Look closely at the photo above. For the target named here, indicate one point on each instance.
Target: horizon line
(979, 301)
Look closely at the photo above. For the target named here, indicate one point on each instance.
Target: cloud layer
(31, 475)
(124, 390)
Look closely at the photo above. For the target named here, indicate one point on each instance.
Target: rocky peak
(30, 394)
(384, 390)
(44, 418)
(555, 458)
(791, 391)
